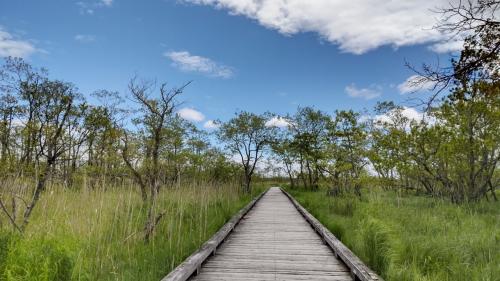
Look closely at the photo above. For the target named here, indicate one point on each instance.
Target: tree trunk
(248, 180)
(40, 187)
(150, 222)
(492, 190)
(292, 182)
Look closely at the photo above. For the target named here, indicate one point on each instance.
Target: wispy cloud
(355, 26)
(447, 46)
(14, 47)
(84, 38)
(365, 93)
(107, 2)
(415, 83)
(210, 124)
(89, 8)
(192, 63)
(191, 114)
(85, 8)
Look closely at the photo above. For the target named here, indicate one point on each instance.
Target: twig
(13, 222)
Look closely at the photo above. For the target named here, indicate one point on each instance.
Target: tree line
(451, 150)
(50, 133)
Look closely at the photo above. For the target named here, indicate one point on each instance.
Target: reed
(98, 234)
(408, 237)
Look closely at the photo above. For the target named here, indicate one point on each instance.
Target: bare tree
(155, 115)
(478, 23)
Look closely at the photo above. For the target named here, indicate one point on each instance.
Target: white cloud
(191, 63)
(277, 122)
(356, 26)
(10, 46)
(107, 2)
(447, 46)
(191, 114)
(210, 124)
(414, 84)
(412, 114)
(84, 38)
(365, 93)
(408, 112)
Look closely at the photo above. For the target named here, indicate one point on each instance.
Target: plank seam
(194, 262)
(357, 267)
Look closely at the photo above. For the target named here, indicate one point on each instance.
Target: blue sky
(240, 54)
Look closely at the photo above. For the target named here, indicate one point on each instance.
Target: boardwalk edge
(193, 263)
(358, 269)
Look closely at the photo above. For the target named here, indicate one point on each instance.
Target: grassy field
(97, 234)
(408, 237)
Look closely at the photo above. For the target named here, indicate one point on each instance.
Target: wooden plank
(357, 267)
(273, 242)
(194, 262)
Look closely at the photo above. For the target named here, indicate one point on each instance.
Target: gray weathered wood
(273, 242)
(193, 263)
(357, 267)
(273, 238)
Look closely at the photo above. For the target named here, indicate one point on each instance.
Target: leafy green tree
(247, 135)
(9, 109)
(285, 153)
(56, 106)
(457, 154)
(346, 152)
(22, 82)
(310, 130)
(471, 118)
(389, 145)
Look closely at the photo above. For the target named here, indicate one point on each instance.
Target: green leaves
(247, 136)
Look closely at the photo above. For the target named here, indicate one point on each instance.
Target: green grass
(97, 234)
(408, 237)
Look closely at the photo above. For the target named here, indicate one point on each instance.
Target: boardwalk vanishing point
(273, 238)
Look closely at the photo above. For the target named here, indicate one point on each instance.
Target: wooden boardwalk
(273, 241)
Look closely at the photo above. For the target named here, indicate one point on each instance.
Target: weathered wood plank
(194, 262)
(273, 242)
(273, 238)
(357, 267)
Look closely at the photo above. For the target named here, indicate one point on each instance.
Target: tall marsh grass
(407, 237)
(97, 234)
